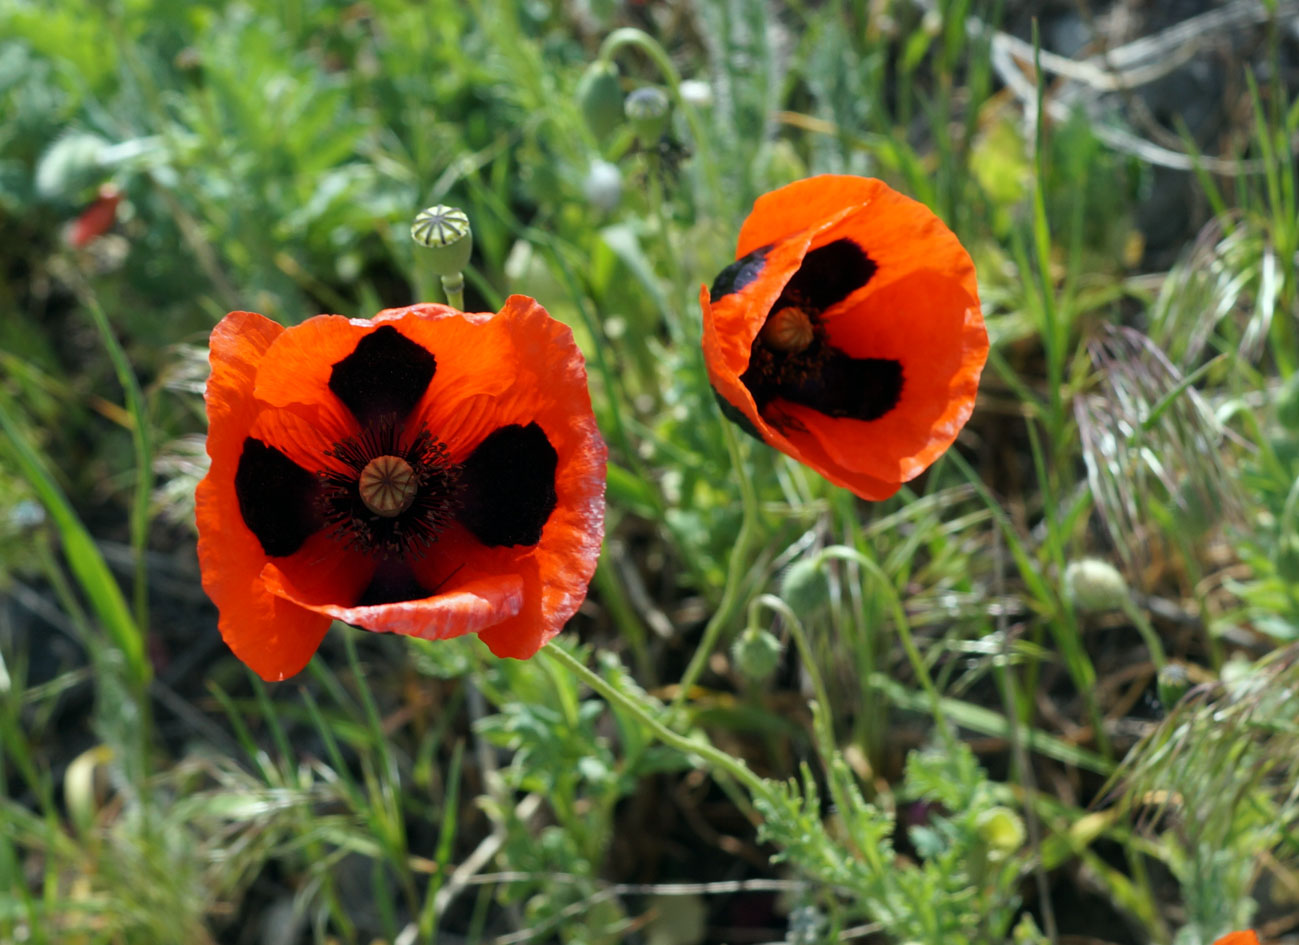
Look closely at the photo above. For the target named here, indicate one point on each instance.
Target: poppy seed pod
(445, 232)
(600, 98)
(647, 110)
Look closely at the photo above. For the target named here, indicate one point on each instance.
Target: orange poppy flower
(847, 333)
(1238, 938)
(425, 472)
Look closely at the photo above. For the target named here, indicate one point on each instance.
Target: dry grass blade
(1217, 281)
(1220, 775)
(1145, 424)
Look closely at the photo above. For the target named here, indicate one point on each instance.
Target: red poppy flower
(847, 333)
(95, 220)
(1238, 938)
(425, 472)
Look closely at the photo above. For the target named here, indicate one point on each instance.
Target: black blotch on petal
(737, 417)
(386, 374)
(739, 274)
(829, 274)
(394, 582)
(857, 388)
(276, 498)
(508, 485)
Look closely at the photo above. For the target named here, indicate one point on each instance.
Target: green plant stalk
(84, 559)
(454, 287)
(142, 442)
(631, 36)
(710, 755)
(918, 665)
(730, 603)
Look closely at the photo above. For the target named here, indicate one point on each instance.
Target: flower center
(789, 330)
(391, 500)
(388, 485)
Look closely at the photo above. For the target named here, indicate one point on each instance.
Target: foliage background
(959, 734)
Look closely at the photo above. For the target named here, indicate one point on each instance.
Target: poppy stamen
(391, 500)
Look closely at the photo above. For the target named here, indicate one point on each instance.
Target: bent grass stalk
(730, 603)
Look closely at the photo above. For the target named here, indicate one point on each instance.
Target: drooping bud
(600, 98)
(804, 586)
(647, 110)
(756, 653)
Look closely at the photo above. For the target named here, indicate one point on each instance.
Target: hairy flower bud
(1096, 586)
(600, 98)
(756, 653)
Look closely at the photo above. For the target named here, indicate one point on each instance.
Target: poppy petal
(509, 486)
(893, 230)
(544, 383)
(272, 636)
(1238, 938)
(941, 352)
(386, 373)
(468, 607)
(345, 370)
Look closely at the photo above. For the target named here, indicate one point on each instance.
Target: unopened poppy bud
(600, 98)
(603, 185)
(1096, 586)
(647, 110)
(804, 587)
(756, 653)
(1001, 830)
(445, 231)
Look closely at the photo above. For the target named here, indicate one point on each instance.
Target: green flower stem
(918, 665)
(454, 287)
(630, 36)
(712, 757)
(731, 596)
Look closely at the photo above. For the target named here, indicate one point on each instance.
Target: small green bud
(804, 586)
(1001, 830)
(1173, 682)
(445, 231)
(1096, 586)
(600, 97)
(647, 110)
(756, 653)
